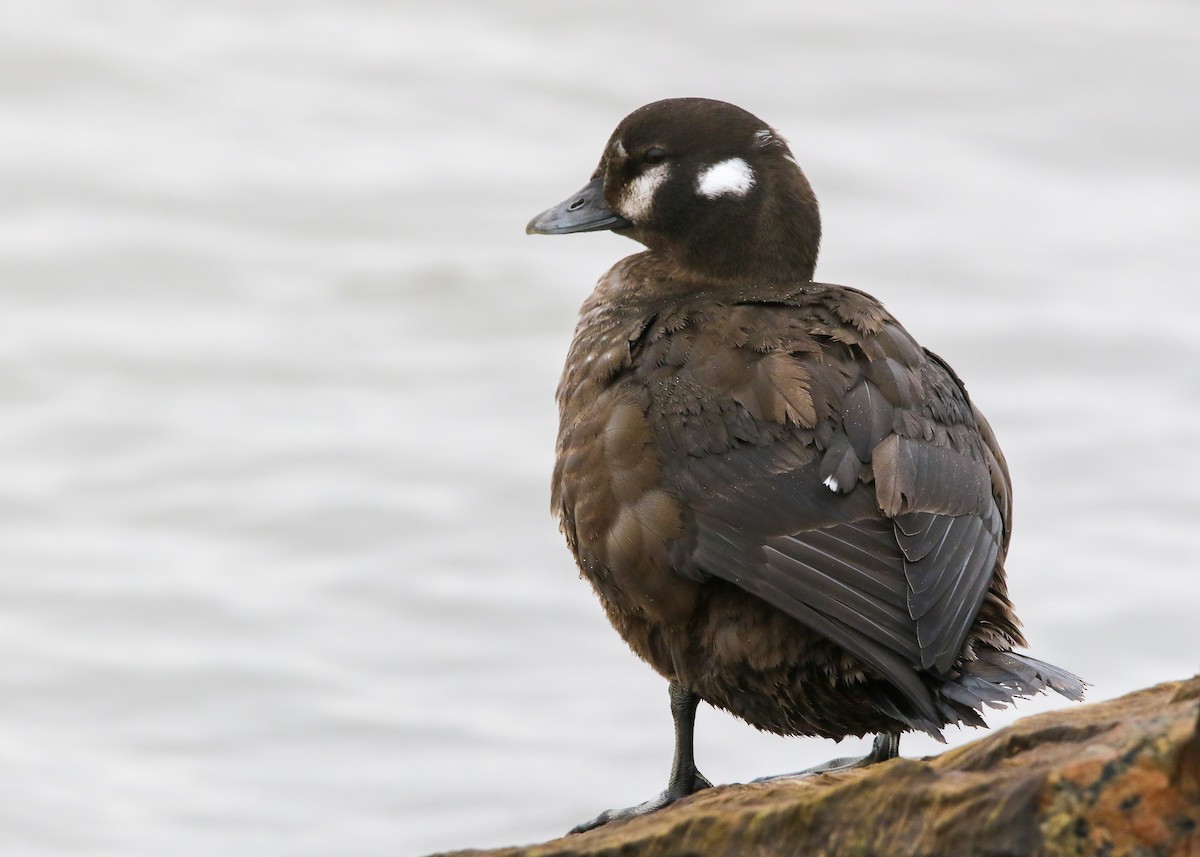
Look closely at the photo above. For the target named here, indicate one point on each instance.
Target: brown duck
(788, 508)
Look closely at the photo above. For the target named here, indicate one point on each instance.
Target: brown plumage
(788, 508)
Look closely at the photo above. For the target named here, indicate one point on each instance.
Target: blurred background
(277, 362)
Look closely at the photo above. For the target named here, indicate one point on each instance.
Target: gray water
(277, 575)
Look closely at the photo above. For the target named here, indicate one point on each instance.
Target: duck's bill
(585, 211)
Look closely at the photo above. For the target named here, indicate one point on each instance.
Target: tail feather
(1034, 676)
(991, 679)
(994, 679)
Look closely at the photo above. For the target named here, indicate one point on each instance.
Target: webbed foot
(886, 746)
(669, 795)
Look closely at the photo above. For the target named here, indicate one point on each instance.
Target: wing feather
(840, 475)
(947, 583)
(810, 596)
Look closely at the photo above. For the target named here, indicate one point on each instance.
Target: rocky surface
(1118, 778)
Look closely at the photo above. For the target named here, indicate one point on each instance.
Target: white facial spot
(831, 484)
(638, 198)
(620, 152)
(732, 176)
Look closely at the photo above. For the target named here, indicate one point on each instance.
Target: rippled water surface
(277, 575)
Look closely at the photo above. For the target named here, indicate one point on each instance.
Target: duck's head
(705, 184)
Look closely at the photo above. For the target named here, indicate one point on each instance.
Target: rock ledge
(1118, 778)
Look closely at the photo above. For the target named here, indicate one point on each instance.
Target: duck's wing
(826, 464)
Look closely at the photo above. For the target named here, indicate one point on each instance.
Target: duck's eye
(654, 156)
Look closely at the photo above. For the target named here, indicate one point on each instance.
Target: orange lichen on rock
(1135, 793)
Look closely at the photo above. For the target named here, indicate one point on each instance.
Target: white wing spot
(638, 198)
(733, 176)
(831, 483)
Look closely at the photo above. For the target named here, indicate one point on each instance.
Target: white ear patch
(732, 176)
(639, 196)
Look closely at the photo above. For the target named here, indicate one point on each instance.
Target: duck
(787, 507)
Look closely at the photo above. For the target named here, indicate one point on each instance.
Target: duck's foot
(684, 779)
(886, 746)
(669, 795)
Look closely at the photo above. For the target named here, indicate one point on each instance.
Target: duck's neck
(779, 243)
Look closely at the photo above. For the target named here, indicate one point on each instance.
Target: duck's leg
(685, 779)
(886, 746)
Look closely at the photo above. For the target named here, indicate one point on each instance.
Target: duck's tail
(994, 679)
